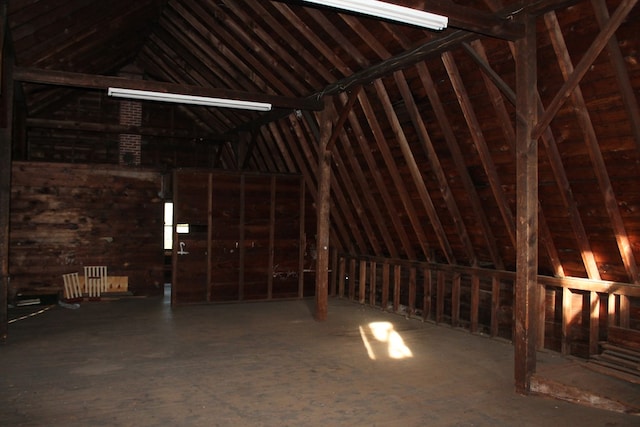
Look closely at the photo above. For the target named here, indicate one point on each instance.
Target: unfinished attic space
(266, 201)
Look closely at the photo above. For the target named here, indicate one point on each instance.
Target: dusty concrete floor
(137, 362)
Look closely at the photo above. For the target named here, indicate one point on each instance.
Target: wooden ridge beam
(91, 81)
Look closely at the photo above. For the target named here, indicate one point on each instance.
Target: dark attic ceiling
(424, 164)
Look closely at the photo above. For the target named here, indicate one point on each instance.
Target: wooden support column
(526, 286)
(6, 119)
(323, 203)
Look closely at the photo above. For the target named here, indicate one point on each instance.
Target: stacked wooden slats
(620, 355)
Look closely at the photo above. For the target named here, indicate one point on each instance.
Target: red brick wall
(130, 145)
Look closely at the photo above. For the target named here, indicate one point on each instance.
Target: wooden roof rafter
(90, 81)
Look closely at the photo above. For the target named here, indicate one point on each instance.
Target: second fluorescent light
(147, 95)
(393, 12)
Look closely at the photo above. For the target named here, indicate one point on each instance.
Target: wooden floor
(137, 362)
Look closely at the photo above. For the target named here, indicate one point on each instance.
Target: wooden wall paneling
(526, 304)
(555, 163)
(582, 113)
(461, 168)
(278, 140)
(577, 73)
(625, 312)
(226, 217)
(399, 186)
(344, 150)
(436, 166)
(79, 215)
(307, 216)
(288, 235)
(385, 286)
(620, 68)
(190, 260)
(380, 184)
(6, 122)
(509, 134)
(254, 237)
(481, 145)
(416, 174)
(346, 194)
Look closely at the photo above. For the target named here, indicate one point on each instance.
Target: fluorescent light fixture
(147, 95)
(389, 11)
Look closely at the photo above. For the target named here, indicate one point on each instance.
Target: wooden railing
(574, 313)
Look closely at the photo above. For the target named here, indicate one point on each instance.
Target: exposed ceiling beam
(91, 81)
(476, 21)
(469, 19)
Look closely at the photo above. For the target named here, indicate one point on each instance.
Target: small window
(168, 226)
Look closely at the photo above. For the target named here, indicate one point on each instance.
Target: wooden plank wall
(576, 316)
(67, 216)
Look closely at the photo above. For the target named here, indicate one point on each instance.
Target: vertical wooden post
(428, 291)
(373, 267)
(324, 212)
(455, 300)
(475, 303)
(397, 270)
(526, 286)
(242, 250)
(412, 291)
(6, 119)
(594, 323)
(272, 232)
(341, 274)
(567, 309)
(362, 282)
(440, 296)
(333, 291)
(385, 286)
(352, 279)
(495, 306)
(625, 312)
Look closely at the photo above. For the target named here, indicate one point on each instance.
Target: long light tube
(147, 95)
(389, 11)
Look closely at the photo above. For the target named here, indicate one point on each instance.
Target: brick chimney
(129, 145)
